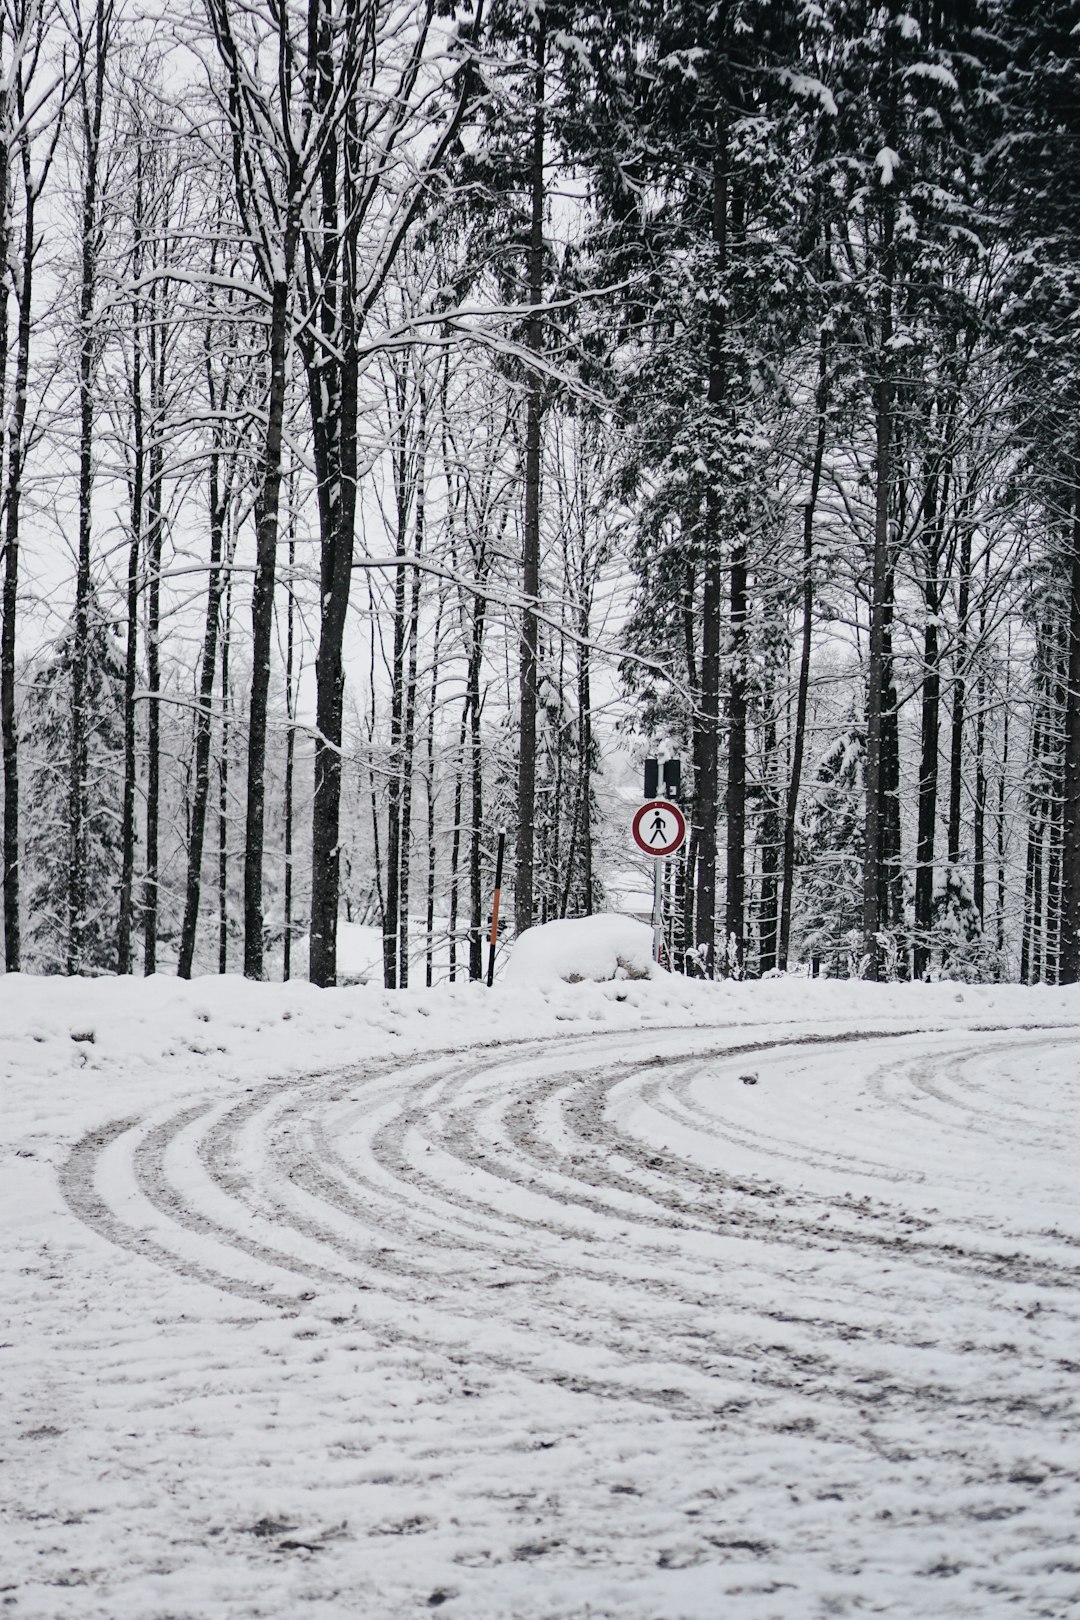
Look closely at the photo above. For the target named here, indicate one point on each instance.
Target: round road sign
(659, 828)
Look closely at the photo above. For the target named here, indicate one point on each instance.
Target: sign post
(493, 941)
(659, 829)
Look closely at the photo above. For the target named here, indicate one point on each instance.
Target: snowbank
(606, 946)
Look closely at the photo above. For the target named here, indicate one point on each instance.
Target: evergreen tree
(47, 853)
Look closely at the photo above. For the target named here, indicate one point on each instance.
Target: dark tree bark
(155, 536)
(409, 737)
(798, 742)
(262, 615)
(530, 559)
(707, 763)
(220, 493)
(126, 922)
(392, 899)
(290, 755)
(1070, 866)
(959, 700)
(16, 447)
(769, 844)
(223, 789)
(928, 781)
(735, 873)
(91, 96)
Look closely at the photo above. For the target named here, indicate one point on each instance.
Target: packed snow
(642, 1298)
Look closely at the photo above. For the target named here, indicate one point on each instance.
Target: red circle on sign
(661, 822)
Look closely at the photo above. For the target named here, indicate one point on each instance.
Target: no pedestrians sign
(659, 828)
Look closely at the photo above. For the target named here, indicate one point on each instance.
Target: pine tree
(47, 850)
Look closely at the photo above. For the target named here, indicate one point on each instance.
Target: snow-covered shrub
(604, 946)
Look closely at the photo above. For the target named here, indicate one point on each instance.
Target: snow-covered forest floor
(650, 1300)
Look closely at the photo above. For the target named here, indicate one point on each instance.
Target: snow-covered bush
(604, 946)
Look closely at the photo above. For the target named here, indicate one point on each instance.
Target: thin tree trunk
(409, 737)
(959, 701)
(125, 927)
(979, 818)
(476, 820)
(1070, 869)
(203, 719)
(798, 745)
(392, 915)
(874, 841)
(262, 614)
(530, 561)
(585, 747)
(290, 754)
(928, 777)
(223, 790)
(455, 839)
(92, 96)
(1001, 818)
(12, 499)
(707, 768)
(735, 889)
(768, 925)
(429, 783)
(154, 545)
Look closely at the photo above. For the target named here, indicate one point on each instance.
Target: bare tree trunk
(91, 102)
(530, 561)
(959, 701)
(735, 888)
(290, 754)
(12, 499)
(155, 526)
(223, 790)
(219, 499)
(392, 902)
(768, 919)
(798, 745)
(429, 783)
(336, 575)
(707, 738)
(875, 832)
(585, 744)
(125, 927)
(262, 615)
(1070, 870)
(455, 840)
(1001, 816)
(928, 775)
(476, 818)
(409, 737)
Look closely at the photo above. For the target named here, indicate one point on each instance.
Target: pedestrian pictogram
(659, 828)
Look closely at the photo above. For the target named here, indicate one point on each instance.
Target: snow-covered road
(725, 1324)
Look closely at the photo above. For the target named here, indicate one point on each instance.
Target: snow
(888, 162)
(359, 954)
(641, 1299)
(604, 946)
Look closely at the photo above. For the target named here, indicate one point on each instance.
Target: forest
(416, 412)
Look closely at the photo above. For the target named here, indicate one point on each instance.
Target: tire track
(498, 1209)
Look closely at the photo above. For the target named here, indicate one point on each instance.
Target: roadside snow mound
(606, 946)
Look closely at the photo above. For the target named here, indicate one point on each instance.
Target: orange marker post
(495, 908)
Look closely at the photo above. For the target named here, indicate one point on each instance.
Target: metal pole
(495, 908)
(657, 909)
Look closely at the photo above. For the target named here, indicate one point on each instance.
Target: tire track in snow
(503, 1191)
